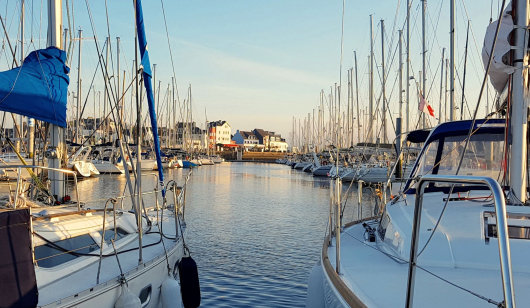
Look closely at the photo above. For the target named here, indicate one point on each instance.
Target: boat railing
(113, 201)
(502, 230)
(30, 168)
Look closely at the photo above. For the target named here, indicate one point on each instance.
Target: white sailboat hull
(108, 167)
(80, 289)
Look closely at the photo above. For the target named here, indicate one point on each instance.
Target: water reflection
(255, 230)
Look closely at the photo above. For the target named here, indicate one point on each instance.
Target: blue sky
(261, 63)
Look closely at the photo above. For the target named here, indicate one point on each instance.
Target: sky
(258, 64)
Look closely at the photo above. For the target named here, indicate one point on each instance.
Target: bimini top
(445, 143)
(418, 136)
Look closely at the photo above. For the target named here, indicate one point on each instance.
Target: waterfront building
(270, 140)
(220, 133)
(247, 140)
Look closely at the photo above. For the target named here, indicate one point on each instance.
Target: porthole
(145, 295)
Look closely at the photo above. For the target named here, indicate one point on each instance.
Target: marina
(248, 156)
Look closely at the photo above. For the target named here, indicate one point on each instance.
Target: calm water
(255, 230)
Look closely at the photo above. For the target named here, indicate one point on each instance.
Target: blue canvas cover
(142, 42)
(38, 89)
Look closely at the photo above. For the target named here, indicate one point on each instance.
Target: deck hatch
(518, 225)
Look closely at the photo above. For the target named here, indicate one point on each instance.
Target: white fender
(170, 293)
(127, 299)
(315, 287)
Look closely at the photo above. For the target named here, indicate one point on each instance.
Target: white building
(220, 133)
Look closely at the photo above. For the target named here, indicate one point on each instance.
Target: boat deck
(361, 268)
(458, 253)
(82, 280)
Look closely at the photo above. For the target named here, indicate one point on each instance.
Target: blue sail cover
(38, 89)
(142, 42)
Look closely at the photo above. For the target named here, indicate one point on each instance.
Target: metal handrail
(19, 167)
(113, 201)
(502, 231)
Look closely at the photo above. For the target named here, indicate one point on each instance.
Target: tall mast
(357, 99)
(55, 24)
(518, 116)
(452, 63)
(383, 118)
(105, 97)
(168, 118)
(78, 119)
(400, 117)
(21, 117)
(348, 131)
(445, 92)
(423, 48)
(118, 95)
(31, 122)
(400, 74)
(407, 110)
(441, 88)
(169, 114)
(371, 110)
(464, 78)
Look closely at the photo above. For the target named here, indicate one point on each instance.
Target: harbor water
(255, 230)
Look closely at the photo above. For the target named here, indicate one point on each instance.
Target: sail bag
(38, 88)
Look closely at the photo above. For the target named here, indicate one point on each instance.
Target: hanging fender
(189, 283)
(170, 295)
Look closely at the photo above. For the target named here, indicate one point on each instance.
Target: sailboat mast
(452, 63)
(78, 119)
(518, 161)
(464, 78)
(21, 117)
(357, 99)
(423, 52)
(138, 210)
(106, 100)
(407, 51)
(441, 88)
(173, 105)
(400, 117)
(385, 137)
(55, 24)
(371, 110)
(120, 111)
(445, 92)
(348, 131)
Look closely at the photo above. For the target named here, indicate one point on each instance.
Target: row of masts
(326, 127)
(168, 115)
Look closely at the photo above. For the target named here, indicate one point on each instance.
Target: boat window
(109, 234)
(428, 159)
(49, 256)
(383, 224)
(484, 156)
(145, 295)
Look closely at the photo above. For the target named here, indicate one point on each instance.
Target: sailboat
(457, 234)
(72, 256)
(79, 163)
